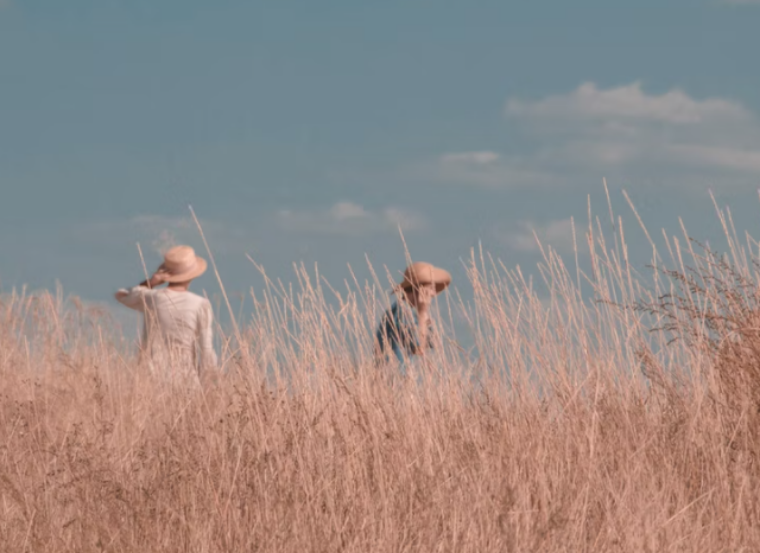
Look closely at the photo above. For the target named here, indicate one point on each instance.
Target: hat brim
(200, 267)
(440, 277)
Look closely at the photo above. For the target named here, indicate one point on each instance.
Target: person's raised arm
(425, 296)
(134, 298)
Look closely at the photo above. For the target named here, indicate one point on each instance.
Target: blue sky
(308, 131)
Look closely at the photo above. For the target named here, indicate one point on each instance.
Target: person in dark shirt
(405, 330)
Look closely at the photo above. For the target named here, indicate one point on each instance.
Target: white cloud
(528, 235)
(475, 158)
(625, 104)
(623, 133)
(716, 156)
(158, 233)
(347, 217)
(488, 169)
(494, 172)
(164, 232)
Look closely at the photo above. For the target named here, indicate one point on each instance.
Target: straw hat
(420, 273)
(181, 264)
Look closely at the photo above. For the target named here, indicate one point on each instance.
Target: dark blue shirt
(398, 331)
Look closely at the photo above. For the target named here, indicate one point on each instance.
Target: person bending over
(405, 330)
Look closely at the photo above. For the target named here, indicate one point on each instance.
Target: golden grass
(571, 427)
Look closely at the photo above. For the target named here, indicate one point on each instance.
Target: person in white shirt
(177, 332)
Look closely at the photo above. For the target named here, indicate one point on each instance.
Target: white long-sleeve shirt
(176, 322)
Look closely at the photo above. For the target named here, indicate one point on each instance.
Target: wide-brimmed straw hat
(420, 273)
(181, 264)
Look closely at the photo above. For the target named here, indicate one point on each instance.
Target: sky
(312, 132)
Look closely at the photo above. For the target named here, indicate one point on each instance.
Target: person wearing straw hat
(177, 322)
(406, 328)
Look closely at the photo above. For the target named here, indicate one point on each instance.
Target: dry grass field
(624, 418)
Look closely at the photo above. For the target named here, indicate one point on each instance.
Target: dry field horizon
(618, 412)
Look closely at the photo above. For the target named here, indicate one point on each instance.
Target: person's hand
(157, 279)
(425, 295)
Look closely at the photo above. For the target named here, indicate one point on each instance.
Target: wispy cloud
(158, 233)
(490, 172)
(623, 132)
(164, 232)
(625, 104)
(347, 217)
(471, 158)
(527, 235)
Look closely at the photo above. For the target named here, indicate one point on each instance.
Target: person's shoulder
(202, 300)
(392, 310)
(191, 298)
(203, 305)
